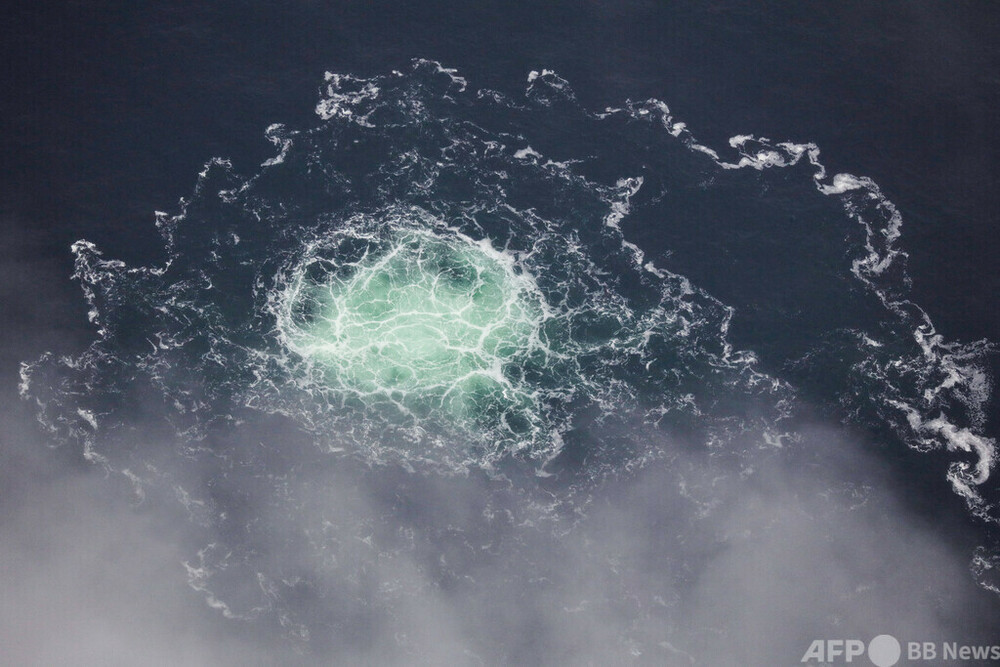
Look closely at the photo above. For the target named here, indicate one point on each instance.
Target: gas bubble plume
(513, 303)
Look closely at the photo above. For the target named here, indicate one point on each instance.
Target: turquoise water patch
(420, 325)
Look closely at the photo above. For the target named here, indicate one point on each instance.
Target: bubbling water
(419, 324)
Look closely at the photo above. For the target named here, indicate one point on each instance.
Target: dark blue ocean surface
(588, 334)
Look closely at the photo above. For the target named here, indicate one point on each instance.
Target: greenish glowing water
(426, 325)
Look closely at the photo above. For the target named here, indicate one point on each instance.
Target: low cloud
(698, 558)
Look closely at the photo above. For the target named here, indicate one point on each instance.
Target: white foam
(842, 183)
(985, 567)
(344, 95)
(447, 71)
(541, 85)
(276, 134)
(964, 379)
(88, 417)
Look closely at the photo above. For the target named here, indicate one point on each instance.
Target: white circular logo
(884, 651)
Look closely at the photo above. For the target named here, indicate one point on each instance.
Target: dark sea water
(570, 333)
